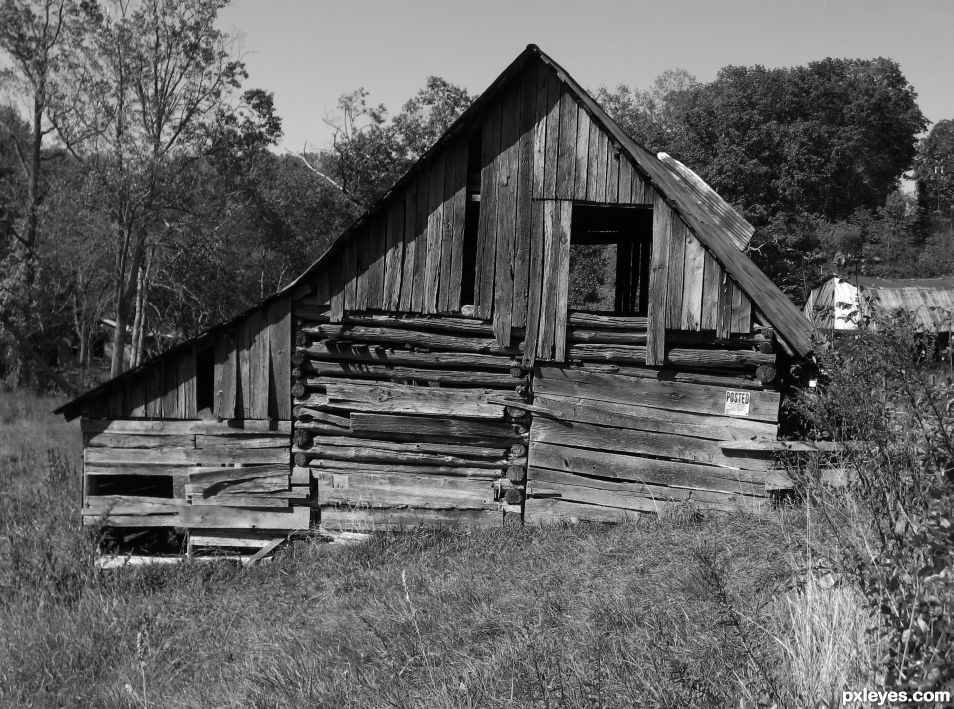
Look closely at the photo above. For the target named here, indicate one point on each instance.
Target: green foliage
(891, 402)
(807, 154)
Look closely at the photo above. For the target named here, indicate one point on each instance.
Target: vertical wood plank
(244, 352)
(535, 285)
(656, 315)
(692, 282)
(487, 221)
(408, 282)
(375, 297)
(625, 180)
(523, 233)
(170, 388)
(566, 152)
(351, 272)
(280, 344)
(711, 290)
(154, 405)
(741, 312)
(582, 153)
(259, 363)
(362, 276)
(677, 259)
(137, 396)
(420, 238)
(225, 379)
(726, 294)
(334, 272)
(554, 89)
(452, 250)
(187, 401)
(434, 231)
(592, 160)
(612, 173)
(562, 279)
(642, 193)
(541, 112)
(394, 262)
(549, 297)
(601, 165)
(506, 215)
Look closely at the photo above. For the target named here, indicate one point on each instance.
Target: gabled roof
(717, 225)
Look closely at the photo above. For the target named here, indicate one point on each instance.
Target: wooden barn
(539, 321)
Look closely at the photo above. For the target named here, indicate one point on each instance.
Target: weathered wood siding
(398, 420)
(192, 474)
(541, 151)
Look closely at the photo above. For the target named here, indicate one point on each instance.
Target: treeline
(143, 197)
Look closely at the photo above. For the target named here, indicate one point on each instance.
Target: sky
(310, 52)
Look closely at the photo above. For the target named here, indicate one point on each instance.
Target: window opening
(610, 250)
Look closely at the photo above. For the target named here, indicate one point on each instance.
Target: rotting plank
(420, 237)
(221, 428)
(535, 296)
(692, 284)
(224, 377)
(348, 518)
(551, 248)
(373, 490)
(592, 160)
(350, 272)
(561, 279)
(711, 291)
(566, 149)
(524, 228)
(381, 396)
(506, 219)
(582, 153)
(541, 113)
(675, 396)
(409, 283)
(482, 430)
(554, 90)
(452, 251)
(362, 239)
(280, 345)
(658, 282)
(625, 180)
(601, 165)
(636, 442)
(377, 239)
(612, 173)
(181, 456)
(639, 497)
(637, 468)
(230, 518)
(435, 231)
(608, 413)
(394, 261)
(259, 363)
(679, 234)
(487, 220)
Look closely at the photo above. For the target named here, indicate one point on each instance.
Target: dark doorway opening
(610, 251)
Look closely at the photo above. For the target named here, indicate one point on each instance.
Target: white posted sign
(737, 403)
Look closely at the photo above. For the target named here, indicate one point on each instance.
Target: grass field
(679, 612)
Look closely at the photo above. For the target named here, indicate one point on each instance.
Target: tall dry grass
(687, 611)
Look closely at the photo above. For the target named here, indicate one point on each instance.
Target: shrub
(886, 398)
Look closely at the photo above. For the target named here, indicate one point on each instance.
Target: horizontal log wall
(612, 438)
(400, 421)
(198, 475)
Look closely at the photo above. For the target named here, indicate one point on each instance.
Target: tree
(652, 117)
(934, 169)
(33, 34)
(369, 152)
(145, 78)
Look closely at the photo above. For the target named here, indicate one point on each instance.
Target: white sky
(310, 52)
